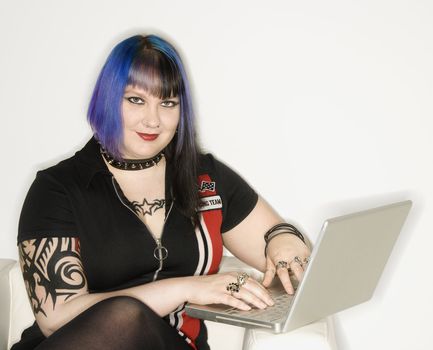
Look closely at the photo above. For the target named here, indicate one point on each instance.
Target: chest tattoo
(147, 208)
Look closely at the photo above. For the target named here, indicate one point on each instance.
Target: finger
(269, 273)
(297, 270)
(268, 277)
(235, 302)
(283, 274)
(259, 291)
(250, 298)
(252, 282)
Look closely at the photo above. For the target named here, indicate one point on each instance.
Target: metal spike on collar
(131, 164)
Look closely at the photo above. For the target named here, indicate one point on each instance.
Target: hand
(212, 289)
(285, 248)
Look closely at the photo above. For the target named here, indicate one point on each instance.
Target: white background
(323, 106)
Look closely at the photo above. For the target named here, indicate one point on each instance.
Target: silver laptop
(345, 266)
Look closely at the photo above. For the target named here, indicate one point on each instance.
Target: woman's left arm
(246, 242)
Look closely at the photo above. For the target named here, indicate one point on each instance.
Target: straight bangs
(155, 73)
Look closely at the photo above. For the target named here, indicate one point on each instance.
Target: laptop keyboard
(271, 313)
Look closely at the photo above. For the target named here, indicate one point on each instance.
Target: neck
(146, 177)
(131, 164)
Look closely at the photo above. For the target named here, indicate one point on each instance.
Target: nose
(151, 117)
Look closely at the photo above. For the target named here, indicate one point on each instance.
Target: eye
(135, 100)
(169, 103)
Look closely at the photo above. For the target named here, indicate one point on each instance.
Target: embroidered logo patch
(207, 186)
(210, 203)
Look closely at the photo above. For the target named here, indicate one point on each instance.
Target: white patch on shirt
(210, 203)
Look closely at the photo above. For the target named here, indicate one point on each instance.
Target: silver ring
(233, 288)
(297, 260)
(282, 264)
(242, 278)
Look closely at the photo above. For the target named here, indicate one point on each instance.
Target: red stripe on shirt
(213, 220)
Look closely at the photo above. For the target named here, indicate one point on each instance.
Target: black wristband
(285, 229)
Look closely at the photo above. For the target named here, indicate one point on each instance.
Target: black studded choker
(131, 164)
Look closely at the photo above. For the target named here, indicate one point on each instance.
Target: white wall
(324, 106)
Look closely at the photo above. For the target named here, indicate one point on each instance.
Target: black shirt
(79, 197)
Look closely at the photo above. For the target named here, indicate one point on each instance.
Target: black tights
(116, 323)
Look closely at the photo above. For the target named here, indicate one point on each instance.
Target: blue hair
(148, 62)
(153, 64)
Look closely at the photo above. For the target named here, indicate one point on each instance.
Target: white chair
(16, 315)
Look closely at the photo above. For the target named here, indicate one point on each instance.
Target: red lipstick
(147, 137)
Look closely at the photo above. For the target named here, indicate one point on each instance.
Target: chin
(138, 153)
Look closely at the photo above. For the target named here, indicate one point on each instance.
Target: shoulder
(217, 169)
(78, 169)
(214, 170)
(46, 211)
(58, 178)
(238, 197)
(51, 182)
(60, 171)
(206, 162)
(209, 164)
(53, 178)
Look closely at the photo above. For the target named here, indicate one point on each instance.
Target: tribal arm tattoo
(147, 208)
(52, 271)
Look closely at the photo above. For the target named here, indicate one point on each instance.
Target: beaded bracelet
(279, 229)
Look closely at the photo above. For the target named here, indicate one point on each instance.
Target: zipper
(160, 252)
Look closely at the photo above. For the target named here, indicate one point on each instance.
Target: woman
(116, 239)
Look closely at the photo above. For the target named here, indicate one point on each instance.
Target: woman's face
(149, 123)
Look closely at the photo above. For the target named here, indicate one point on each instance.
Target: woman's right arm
(58, 291)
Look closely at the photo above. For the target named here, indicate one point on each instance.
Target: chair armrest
(318, 336)
(16, 314)
(5, 301)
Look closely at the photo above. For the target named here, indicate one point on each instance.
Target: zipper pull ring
(160, 252)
